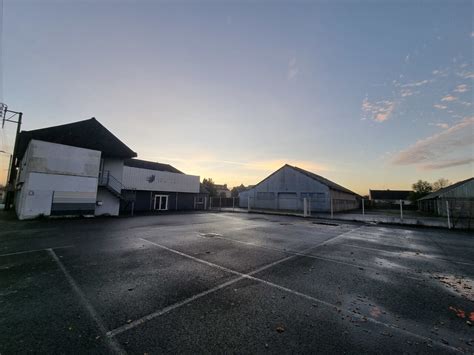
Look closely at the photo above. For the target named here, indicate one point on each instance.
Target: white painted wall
(152, 180)
(110, 204)
(49, 167)
(115, 166)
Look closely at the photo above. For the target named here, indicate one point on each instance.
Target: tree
(210, 186)
(420, 188)
(237, 189)
(441, 183)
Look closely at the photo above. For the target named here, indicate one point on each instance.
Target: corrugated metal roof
(389, 194)
(328, 183)
(151, 165)
(89, 134)
(440, 192)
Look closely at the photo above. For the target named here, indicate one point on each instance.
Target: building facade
(159, 187)
(457, 198)
(389, 197)
(71, 169)
(287, 188)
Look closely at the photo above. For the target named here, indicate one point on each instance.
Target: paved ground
(234, 283)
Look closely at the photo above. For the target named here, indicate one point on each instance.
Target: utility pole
(12, 169)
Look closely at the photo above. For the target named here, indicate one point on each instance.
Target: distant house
(222, 190)
(389, 197)
(458, 197)
(287, 187)
(158, 187)
(71, 169)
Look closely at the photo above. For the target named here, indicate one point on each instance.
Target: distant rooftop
(151, 165)
(389, 194)
(89, 134)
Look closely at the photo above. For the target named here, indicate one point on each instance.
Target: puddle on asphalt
(210, 235)
(327, 224)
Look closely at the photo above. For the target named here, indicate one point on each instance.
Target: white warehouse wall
(152, 180)
(47, 168)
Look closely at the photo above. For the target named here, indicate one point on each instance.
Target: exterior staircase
(113, 185)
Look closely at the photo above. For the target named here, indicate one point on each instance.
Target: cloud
(406, 92)
(465, 74)
(440, 107)
(447, 164)
(472, 34)
(433, 151)
(449, 98)
(442, 125)
(461, 88)
(293, 69)
(378, 111)
(416, 83)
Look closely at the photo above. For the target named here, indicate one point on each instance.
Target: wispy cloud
(461, 88)
(293, 69)
(407, 92)
(465, 74)
(416, 83)
(440, 107)
(442, 125)
(438, 149)
(449, 98)
(447, 164)
(378, 111)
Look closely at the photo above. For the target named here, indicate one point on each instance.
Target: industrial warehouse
(289, 187)
(81, 168)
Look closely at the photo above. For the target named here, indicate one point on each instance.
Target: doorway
(161, 203)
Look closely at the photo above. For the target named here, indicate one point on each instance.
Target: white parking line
(294, 252)
(268, 283)
(165, 310)
(36, 250)
(111, 343)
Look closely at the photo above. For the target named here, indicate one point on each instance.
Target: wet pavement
(233, 283)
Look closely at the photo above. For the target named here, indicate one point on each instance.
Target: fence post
(220, 203)
(401, 210)
(210, 202)
(447, 211)
(205, 203)
(248, 203)
(233, 204)
(332, 209)
(305, 207)
(363, 208)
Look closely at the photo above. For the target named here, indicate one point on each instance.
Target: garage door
(287, 201)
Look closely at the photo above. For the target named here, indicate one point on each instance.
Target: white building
(71, 169)
(159, 187)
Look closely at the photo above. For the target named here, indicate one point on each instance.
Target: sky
(369, 94)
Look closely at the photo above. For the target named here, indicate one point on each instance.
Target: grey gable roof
(89, 134)
(150, 165)
(438, 193)
(328, 183)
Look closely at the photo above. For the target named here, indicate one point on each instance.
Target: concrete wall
(48, 170)
(107, 204)
(115, 166)
(152, 180)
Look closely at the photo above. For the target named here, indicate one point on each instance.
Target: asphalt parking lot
(233, 283)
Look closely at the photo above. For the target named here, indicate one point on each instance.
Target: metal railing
(108, 180)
